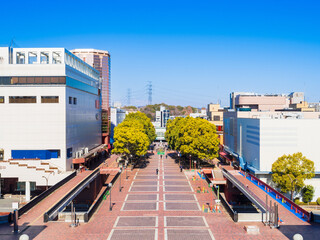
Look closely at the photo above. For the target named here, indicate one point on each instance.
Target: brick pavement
(116, 225)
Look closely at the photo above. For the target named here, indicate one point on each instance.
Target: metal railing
(65, 201)
(44, 194)
(244, 189)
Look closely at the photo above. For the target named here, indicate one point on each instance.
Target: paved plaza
(166, 206)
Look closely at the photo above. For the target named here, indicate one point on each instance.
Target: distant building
(215, 116)
(255, 140)
(315, 106)
(50, 114)
(117, 115)
(162, 116)
(100, 60)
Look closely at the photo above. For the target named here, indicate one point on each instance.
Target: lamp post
(110, 185)
(120, 180)
(47, 179)
(190, 162)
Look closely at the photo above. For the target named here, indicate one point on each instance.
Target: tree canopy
(145, 121)
(131, 136)
(193, 136)
(307, 193)
(290, 171)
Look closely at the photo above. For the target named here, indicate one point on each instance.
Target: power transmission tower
(129, 97)
(149, 90)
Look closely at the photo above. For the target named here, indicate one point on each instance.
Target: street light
(47, 179)
(190, 162)
(120, 180)
(110, 185)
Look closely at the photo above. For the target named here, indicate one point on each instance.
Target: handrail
(306, 213)
(260, 204)
(44, 194)
(53, 212)
(97, 203)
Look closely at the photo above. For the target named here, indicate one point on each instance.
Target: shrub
(318, 200)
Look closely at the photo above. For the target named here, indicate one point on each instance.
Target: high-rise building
(100, 60)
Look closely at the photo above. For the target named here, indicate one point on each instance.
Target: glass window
(44, 57)
(69, 152)
(1, 99)
(32, 57)
(216, 118)
(56, 57)
(70, 100)
(23, 99)
(75, 101)
(49, 99)
(20, 57)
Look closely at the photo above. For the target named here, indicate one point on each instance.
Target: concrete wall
(33, 126)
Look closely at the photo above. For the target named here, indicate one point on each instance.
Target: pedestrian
(166, 156)
(180, 168)
(157, 171)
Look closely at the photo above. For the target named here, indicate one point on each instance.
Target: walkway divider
(44, 194)
(283, 200)
(65, 201)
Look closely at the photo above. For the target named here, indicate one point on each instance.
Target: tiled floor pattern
(167, 196)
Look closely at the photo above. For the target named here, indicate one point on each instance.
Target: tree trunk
(291, 195)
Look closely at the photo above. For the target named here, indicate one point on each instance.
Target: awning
(222, 153)
(89, 154)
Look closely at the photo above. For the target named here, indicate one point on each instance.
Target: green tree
(290, 171)
(307, 193)
(145, 121)
(130, 139)
(193, 136)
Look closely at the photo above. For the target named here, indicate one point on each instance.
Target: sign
(160, 153)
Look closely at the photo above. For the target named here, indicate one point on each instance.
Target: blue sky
(194, 52)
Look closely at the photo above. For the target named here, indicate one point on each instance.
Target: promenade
(166, 206)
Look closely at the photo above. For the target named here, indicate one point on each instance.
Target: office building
(100, 60)
(50, 114)
(215, 116)
(255, 140)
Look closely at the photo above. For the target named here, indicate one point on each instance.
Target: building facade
(49, 100)
(101, 61)
(255, 140)
(215, 116)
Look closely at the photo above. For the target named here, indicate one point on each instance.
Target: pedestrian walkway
(166, 206)
(160, 206)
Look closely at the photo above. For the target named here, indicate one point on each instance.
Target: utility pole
(129, 97)
(149, 90)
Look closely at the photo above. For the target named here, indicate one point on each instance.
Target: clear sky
(194, 52)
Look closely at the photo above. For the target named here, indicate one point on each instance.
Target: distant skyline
(194, 52)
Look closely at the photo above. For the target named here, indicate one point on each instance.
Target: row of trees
(133, 136)
(193, 136)
(289, 173)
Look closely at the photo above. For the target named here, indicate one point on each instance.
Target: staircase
(33, 170)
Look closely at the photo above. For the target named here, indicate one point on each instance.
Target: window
(49, 99)
(70, 100)
(69, 152)
(23, 99)
(20, 57)
(32, 57)
(216, 118)
(44, 57)
(75, 101)
(1, 154)
(31, 80)
(1, 99)
(56, 57)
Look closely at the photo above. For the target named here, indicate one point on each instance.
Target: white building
(117, 115)
(162, 116)
(50, 113)
(257, 139)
